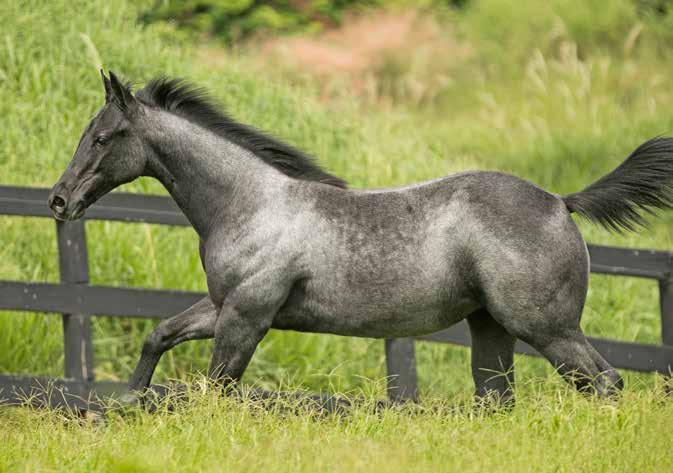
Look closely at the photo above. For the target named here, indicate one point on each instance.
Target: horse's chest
(255, 267)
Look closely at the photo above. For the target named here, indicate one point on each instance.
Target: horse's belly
(371, 315)
(390, 289)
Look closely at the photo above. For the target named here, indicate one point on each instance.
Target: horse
(286, 245)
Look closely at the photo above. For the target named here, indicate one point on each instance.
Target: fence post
(666, 306)
(401, 366)
(74, 268)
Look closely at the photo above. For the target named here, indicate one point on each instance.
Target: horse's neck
(211, 179)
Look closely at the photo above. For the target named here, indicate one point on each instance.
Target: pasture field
(558, 96)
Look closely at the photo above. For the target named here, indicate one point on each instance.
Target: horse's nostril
(58, 202)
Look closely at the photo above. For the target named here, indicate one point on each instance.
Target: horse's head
(110, 153)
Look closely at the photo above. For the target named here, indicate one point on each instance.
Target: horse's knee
(154, 343)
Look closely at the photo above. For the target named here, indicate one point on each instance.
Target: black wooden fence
(77, 300)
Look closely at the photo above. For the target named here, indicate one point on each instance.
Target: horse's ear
(121, 95)
(107, 86)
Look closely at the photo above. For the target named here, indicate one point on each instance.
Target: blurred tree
(591, 24)
(659, 7)
(235, 19)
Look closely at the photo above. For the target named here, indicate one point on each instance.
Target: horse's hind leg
(580, 364)
(492, 359)
(556, 334)
(612, 375)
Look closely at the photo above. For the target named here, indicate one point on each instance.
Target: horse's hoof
(129, 402)
(493, 403)
(94, 417)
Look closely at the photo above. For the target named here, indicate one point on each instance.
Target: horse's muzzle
(62, 205)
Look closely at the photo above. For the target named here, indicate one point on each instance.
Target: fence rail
(76, 300)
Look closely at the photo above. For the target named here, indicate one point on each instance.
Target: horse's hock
(77, 300)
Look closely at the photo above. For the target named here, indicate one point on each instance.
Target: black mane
(194, 104)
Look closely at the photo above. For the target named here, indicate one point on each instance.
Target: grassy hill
(552, 97)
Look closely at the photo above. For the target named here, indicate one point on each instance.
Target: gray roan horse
(286, 245)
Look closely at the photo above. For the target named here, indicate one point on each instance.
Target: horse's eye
(101, 140)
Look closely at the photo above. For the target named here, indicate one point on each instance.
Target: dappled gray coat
(286, 245)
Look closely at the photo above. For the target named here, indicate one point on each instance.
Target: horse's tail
(643, 182)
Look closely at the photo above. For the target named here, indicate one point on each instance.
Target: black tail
(644, 182)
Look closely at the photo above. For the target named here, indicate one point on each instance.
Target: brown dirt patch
(379, 54)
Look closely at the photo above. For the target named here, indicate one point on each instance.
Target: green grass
(553, 429)
(560, 112)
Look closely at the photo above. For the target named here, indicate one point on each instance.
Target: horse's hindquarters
(536, 283)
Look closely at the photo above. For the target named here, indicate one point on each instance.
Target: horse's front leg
(241, 324)
(195, 323)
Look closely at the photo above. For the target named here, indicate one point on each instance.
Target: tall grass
(556, 97)
(553, 429)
